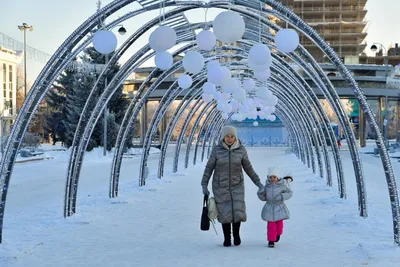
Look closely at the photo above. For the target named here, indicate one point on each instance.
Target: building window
(4, 79)
(10, 81)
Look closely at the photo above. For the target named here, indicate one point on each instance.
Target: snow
(159, 224)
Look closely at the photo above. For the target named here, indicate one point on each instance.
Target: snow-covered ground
(158, 225)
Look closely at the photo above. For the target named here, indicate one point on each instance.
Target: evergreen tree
(68, 97)
(55, 99)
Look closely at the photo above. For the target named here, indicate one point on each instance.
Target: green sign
(355, 106)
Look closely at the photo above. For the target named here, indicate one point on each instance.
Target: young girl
(274, 210)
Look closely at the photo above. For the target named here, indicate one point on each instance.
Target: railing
(334, 20)
(298, 10)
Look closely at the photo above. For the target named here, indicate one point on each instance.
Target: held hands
(260, 188)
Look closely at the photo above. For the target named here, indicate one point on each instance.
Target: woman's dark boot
(226, 227)
(236, 236)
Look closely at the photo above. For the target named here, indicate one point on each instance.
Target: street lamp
(23, 28)
(121, 30)
(374, 48)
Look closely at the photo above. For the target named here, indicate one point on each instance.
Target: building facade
(8, 82)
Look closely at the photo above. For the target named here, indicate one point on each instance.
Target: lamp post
(23, 28)
(374, 48)
(121, 31)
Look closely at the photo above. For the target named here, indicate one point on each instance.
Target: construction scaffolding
(340, 22)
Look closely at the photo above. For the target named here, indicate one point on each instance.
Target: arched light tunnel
(298, 106)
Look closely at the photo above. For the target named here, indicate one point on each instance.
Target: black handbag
(205, 221)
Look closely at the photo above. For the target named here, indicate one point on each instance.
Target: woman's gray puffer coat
(274, 195)
(227, 183)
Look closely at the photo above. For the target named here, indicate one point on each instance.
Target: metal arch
(306, 128)
(52, 69)
(307, 104)
(296, 22)
(76, 157)
(210, 116)
(172, 124)
(328, 91)
(169, 130)
(387, 166)
(330, 131)
(317, 81)
(127, 124)
(334, 147)
(192, 112)
(290, 125)
(306, 108)
(305, 92)
(293, 135)
(165, 102)
(325, 123)
(193, 131)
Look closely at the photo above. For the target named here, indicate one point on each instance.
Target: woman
(226, 161)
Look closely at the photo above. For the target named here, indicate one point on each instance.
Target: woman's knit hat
(227, 130)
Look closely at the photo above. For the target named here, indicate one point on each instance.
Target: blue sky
(55, 20)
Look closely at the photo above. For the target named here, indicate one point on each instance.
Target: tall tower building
(340, 22)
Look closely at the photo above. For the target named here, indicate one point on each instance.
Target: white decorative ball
(272, 117)
(193, 62)
(105, 42)
(225, 116)
(248, 84)
(225, 96)
(185, 81)
(226, 74)
(229, 27)
(213, 63)
(209, 88)
(263, 75)
(221, 105)
(258, 68)
(215, 75)
(162, 38)
(260, 54)
(206, 40)
(262, 93)
(217, 95)
(228, 108)
(207, 98)
(163, 60)
(287, 40)
(257, 102)
(239, 95)
(230, 85)
(274, 100)
(255, 123)
(234, 116)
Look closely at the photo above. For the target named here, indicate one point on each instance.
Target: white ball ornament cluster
(160, 40)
